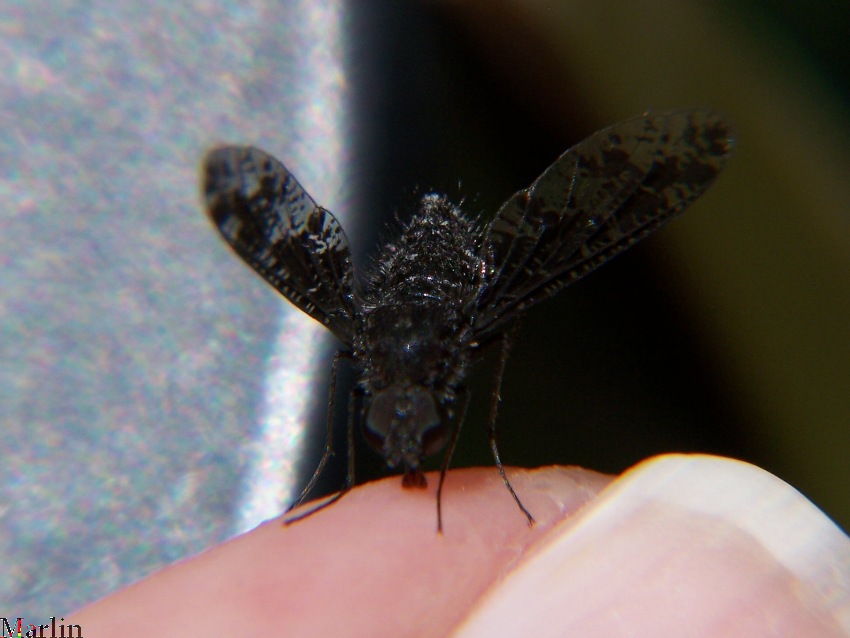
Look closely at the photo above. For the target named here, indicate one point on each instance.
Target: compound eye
(434, 438)
(380, 418)
(404, 424)
(428, 426)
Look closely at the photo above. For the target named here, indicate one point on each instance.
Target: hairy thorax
(420, 302)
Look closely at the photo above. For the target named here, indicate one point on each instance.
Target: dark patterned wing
(597, 199)
(276, 227)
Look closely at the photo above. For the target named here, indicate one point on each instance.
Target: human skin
(607, 556)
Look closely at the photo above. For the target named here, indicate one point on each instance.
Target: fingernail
(681, 545)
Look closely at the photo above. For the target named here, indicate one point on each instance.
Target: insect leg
(447, 457)
(349, 478)
(354, 407)
(329, 436)
(507, 340)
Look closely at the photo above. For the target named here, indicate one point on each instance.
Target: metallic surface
(152, 393)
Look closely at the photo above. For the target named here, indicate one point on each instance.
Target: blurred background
(157, 397)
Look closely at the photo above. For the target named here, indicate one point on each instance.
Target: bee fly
(448, 287)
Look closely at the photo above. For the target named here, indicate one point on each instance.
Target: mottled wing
(276, 227)
(597, 199)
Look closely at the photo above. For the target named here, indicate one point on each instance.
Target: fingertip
(370, 564)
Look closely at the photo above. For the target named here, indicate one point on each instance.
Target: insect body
(447, 288)
(414, 346)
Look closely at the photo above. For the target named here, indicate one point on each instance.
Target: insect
(448, 287)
